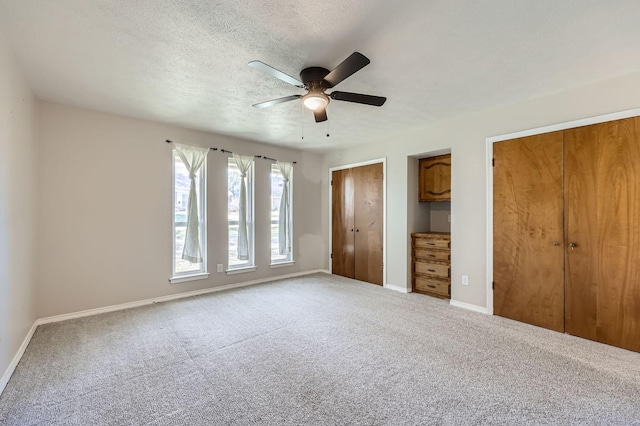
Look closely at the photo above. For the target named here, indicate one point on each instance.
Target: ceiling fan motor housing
(313, 77)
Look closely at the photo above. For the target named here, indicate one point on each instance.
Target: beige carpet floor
(317, 350)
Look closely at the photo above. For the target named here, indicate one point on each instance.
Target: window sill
(185, 278)
(282, 264)
(241, 270)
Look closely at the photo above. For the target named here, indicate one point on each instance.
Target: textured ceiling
(185, 61)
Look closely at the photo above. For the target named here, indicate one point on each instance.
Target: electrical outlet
(449, 218)
(219, 267)
(465, 280)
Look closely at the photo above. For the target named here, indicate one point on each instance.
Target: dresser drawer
(432, 285)
(427, 254)
(437, 269)
(431, 243)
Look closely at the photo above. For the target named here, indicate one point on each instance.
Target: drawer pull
(431, 286)
(431, 255)
(431, 244)
(431, 270)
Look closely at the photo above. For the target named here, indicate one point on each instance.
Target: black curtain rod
(213, 149)
(271, 159)
(231, 152)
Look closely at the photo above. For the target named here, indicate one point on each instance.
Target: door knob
(351, 229)
(357, 230)
(573, 245)
(555, 243)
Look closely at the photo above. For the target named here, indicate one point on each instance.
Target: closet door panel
(603, 220)
(581, 201)
(342, 232)
(368, 205)
(528, 230)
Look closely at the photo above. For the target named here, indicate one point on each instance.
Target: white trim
(489, 250)
(241, 270)
(468, 306)
(567, 125)
(489, 174)
(382, 160)
(282, 264)
(160, 299)
(16, 359)
(397, 288)
(186, 278)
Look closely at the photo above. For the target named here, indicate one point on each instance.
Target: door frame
(489, 174)
(382, 160)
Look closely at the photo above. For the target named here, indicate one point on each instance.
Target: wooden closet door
(343, 227)
(602, 208)
(368, 204)
(528, 230)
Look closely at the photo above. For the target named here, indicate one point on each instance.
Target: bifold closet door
(342, 223)
(357, 218)
(528, 230)
(368, 203)
(602, 210)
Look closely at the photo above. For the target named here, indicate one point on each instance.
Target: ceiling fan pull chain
(302, 119)
(327, 128)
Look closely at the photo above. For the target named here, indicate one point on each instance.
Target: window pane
(277, 183)
(234, 180)
(181, 187)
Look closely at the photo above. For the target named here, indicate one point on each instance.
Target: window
(187, 264)
(239, 258)
(281, 239)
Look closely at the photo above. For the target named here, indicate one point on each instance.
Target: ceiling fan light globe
(316, 102)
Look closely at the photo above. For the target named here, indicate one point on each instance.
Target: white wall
(17, 208)
(465, 136)
(105, 209)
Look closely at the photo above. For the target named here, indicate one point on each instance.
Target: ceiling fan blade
(277, 101)
(320, 115)
(275, 73)
(358, 98)
(348, 67)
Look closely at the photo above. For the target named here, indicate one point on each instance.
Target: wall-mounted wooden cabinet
(435, 179)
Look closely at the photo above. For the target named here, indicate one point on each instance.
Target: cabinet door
(368, 203)
(343, 227)
(602, 210)
(527, 224)
(435, 179)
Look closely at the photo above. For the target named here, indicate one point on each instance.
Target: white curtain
(284, 237)
(244, 163)
(193, 158)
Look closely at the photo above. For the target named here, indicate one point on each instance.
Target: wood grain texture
(342, 228)
(440, 270)
(434, 180)
(432, 285)
(603, 219)
(430, 264)
(527, 219)
(581, 198)
(368, 213)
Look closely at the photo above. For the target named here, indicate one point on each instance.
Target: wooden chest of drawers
(431, 263)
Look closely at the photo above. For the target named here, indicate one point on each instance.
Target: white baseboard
(396, 288)
(16, 359)
(469, 306)
(160, 299)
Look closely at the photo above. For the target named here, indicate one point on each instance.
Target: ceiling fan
(316, 81)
